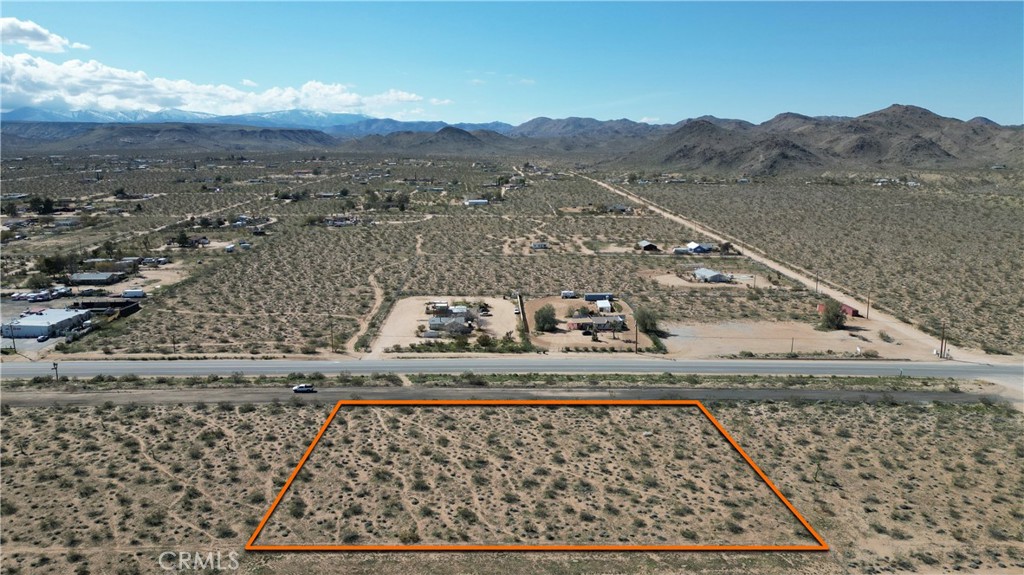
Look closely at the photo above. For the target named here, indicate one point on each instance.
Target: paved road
(522, 364)
(330, 396)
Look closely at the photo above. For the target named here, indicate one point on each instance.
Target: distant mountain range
(897, 137)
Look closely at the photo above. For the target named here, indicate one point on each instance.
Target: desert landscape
(492, 287)
(889, 487)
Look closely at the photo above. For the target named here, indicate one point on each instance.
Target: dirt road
(879, 319)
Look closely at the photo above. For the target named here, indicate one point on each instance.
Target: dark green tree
(833, 317)
(544, 319)
(647, 320)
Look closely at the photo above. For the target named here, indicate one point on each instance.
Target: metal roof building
(708, 275)
(96, 278)
(49, 322)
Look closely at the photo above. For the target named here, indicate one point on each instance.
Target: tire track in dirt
(364, 323)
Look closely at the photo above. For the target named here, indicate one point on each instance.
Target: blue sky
(512, 61)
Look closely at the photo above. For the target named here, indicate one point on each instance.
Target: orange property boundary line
(251, 544)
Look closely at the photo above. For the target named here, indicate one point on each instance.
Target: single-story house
(539, 246)
(710, 276)
(597, 296)
(699, 248)
(647, 246)
(604, 306)
(451, 325)
(96, 278)
(620, 209)
(459, 310)
(600, 323)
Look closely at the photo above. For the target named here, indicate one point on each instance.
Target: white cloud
(28, 80)
(441, 102)
(248, 83)
(648, 120)
(525, 81)
(34, 37)
(477, 82)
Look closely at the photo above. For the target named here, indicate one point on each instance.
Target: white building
(49, 322)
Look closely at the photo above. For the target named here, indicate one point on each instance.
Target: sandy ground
(892, 489)
(400, 326)
(150, 278)
(529, 475)
(692, 341)
(556, 342)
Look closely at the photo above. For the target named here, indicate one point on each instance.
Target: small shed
(848, 311)
(539, 246)
(476, 202)
(604, 306)
(647, 246)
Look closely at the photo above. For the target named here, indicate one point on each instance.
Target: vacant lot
(560, 475)
(900, 488)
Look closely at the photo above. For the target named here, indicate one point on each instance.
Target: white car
(304, 388)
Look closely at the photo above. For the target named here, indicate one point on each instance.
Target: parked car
(304, 388)
(516, 311)
(42, 338)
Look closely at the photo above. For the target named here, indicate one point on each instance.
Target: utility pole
(56, 374)
(636, 336)
(867, 315)
(942, 342)
(333, 348)
(815, 282)
(792, 345)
